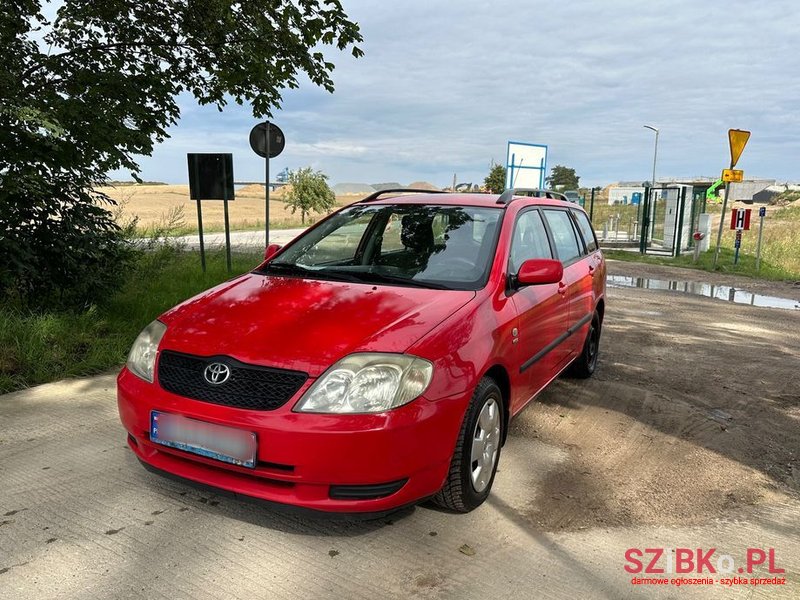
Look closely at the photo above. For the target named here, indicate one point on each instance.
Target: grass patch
(40, 347)
(746, 266)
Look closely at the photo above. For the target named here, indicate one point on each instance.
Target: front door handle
(562, 289)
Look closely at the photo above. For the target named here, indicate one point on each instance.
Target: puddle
(718, 292)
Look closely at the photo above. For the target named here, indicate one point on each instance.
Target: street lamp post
(645, 218)
(655, 155)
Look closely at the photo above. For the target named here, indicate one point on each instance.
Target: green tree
(86, 92)
(495, 181)
(308, 190)
(563, 178)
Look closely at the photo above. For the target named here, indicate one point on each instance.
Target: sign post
(196, 179)
(740, 221)
(737, 140)
(737, 244)
(211, 178)
(762, 212)
(227, 220)
(268, 141)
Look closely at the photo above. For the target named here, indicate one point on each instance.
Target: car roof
(455, 199)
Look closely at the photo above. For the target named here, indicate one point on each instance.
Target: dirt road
(688, 436)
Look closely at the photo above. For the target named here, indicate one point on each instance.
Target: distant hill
(387, 186)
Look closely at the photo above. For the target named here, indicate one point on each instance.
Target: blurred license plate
(227, 444)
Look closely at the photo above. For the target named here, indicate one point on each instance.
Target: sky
(444, 86)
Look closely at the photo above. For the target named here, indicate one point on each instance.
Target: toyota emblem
(217, 373)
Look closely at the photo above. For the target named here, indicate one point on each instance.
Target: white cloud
(444, 85)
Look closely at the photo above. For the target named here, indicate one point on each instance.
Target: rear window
(587, 231)
(564, 235)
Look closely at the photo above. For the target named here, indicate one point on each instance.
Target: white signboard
(526, 165)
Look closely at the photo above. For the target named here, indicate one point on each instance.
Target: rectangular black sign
(210, 176)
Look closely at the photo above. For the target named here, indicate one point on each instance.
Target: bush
(37, 347)
(63, 250)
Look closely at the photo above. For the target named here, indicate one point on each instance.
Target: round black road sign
(258, 141)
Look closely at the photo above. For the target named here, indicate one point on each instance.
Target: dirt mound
(423, 185)
(254, 189)
(280, 192)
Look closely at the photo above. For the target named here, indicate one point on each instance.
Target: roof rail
(508, 195)
(379, 193)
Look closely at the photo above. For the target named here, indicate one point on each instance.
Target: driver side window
(529, 241)
(340, 246)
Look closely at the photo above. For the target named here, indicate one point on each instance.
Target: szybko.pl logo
(701, 567)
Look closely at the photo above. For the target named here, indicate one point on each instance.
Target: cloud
(444, 86)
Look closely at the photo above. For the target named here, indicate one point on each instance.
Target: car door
(577, 280)
(596, 264)
(542, 311)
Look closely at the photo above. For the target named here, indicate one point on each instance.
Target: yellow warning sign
(732, 175)
(738, 140)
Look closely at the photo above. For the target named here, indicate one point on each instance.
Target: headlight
(368, 382)
(142, 357)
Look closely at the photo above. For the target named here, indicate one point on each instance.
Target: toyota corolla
(375, 360)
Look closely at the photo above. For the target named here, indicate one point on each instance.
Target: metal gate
(662, 214)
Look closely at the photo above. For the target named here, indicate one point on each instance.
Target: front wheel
(477, 452)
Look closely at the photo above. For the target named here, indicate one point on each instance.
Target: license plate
(226, 444)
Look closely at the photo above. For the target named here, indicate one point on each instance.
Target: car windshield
(447, 247)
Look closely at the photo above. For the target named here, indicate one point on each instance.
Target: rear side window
(564, 235)
(587, 231)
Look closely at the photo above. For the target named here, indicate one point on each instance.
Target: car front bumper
(334, 463)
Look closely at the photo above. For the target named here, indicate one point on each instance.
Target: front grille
(249, 386)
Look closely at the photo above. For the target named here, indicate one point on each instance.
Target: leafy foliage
(308, 190)
(84, 93)
(495, 181)
(563, 178)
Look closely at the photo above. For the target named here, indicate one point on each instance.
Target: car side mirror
(271, 251)
(540, 271)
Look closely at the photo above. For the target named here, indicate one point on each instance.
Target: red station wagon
(375, 360)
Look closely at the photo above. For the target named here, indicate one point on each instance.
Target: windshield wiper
(295, 269)
(373, 277)
(352, 276)
(288, 268)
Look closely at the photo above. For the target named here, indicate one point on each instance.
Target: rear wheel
(583, 367)
(477, 452)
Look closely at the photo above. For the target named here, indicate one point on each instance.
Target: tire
(585, 364)
(470, 479)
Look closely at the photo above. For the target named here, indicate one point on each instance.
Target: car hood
(304, 324)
